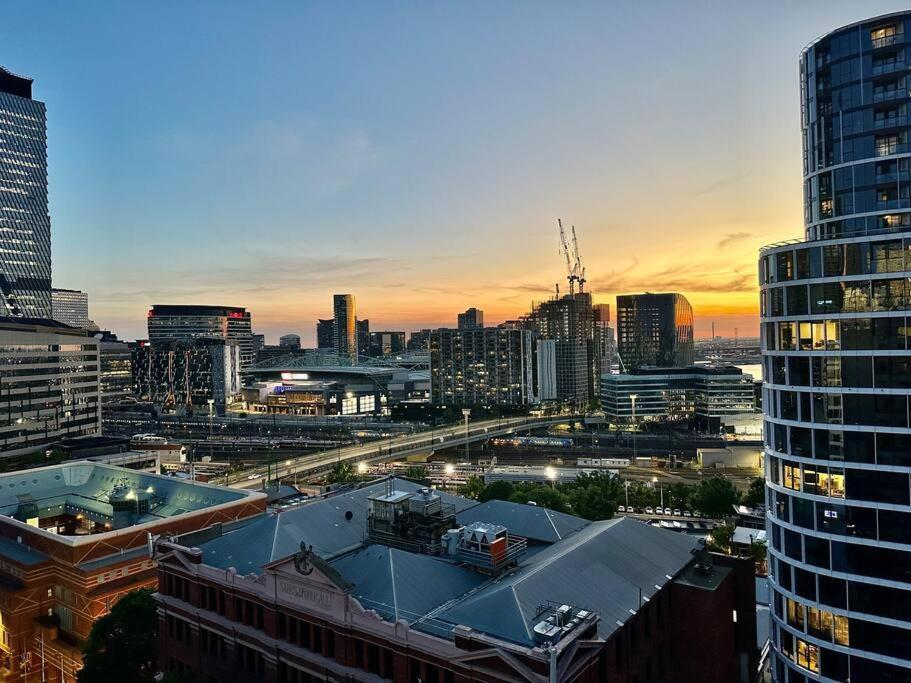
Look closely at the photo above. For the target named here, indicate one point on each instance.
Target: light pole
(466, 413)
(626, 486)
(632, 398)
(211, 403)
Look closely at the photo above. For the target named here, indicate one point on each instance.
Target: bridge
(389, 449)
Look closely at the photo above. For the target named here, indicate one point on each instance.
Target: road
(388, 449)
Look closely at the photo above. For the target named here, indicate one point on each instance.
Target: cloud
(732, 238)
(721, 182)
(681, 277)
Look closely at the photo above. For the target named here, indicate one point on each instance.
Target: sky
(416, 155)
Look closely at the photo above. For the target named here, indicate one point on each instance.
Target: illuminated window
(795, 614)
(819, 623)
(807, 655)
(792, 477)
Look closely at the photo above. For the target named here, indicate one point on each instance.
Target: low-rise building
(74, 538)
(395, 582)
(700, 394)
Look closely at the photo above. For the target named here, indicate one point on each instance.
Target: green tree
(714, 497)
(341, 473)
(593, 503)
(543, 496)
(679, 495)
(416, 473)
(755, 495)
(123, 645)
(472, 487)
(720, 540)
(497, 490)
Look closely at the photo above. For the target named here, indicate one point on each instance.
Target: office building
(482, 366)
(290, 341)
(570, 322)
(187, 323)
(74, 540)
(116, 376)
(362, 331)
(344, 316)
(395, 582)
(835, 345)
(183, 376)
(386, 344)
(471, 318)
(701, 395)
(605, 336)
(48, 384)
(419, 340)
(654, 330)
(71, 307)
(325, 334)
(25, 225)
(259, 343)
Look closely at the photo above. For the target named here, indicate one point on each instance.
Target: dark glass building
(837, 370)
(25, 226)
(654, 330)
(187, 323)
(325, 333)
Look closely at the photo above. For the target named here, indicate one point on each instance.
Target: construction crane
(575, 271)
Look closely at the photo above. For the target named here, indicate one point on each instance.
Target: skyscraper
(325, 333)
(70, 306)
(290, 341)
(345, 328)
(471, 318)
(837, 371)
(186, 323)
(654, 330)
(25, 226)
(362, 332)
(602, 320)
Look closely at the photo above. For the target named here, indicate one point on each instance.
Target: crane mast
(575, 271)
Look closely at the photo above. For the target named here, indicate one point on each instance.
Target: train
(546, 441)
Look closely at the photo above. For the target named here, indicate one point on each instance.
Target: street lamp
(632, 398)
(211, 403)
(466, 413)
(660, 490)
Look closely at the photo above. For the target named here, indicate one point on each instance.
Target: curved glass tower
(836, 336)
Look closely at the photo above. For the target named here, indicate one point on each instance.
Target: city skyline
(271, 176)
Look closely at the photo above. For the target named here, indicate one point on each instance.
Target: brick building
(394, 582)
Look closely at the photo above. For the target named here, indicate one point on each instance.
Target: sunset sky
(416, 155)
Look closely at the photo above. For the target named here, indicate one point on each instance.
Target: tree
(714, 497)
(341, 473)
(720, 540)
(543, 496)
(472, 487)
(416, 473)
(755, 496)
(123, 645)
(497, 490)
(593, 503)
(679, 495)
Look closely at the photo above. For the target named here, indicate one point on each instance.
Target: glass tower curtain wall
(186, 323)
(837, 364)
(25, 225)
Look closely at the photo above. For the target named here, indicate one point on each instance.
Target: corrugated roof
(324, 523)
(532, 522)
(600, 568)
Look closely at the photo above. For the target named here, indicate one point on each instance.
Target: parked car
(687, 513)
(676, 512)
(649, 511)
(620, 508)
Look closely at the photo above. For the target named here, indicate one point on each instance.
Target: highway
(388, 449)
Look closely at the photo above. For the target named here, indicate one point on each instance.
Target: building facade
(835, 346)
(183, 376)
(290, 341)
(419, 340)
(471, 318)
(386, 344)
(393, 582)
(362, 332)
(344, 316)
(74, 540)
(606, 336)
(187, 323)
(70, 306)
(325, 334)
(482, 366)
(570, 322)
(48, 384)
(700, 394)
(654, 330)
(25, 225)
(116, 375)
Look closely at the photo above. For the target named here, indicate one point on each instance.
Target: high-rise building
(116, 375)
(325, 334)
(362, 328)
(837, 355)
(25, 225)
(71, 307)
(606, 336)
(386, 343)
(482, 366)
(344, 315)
(654, 330)
(48, 384)
(290, 341)
(182, 376)
(419, 340)
(185, 323)
(259, 342)
(473, 317)
(570, 322)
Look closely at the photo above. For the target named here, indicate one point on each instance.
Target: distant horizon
(417, 156)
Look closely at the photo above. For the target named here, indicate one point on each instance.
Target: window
(806, 655)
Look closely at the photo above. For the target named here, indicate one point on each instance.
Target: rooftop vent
(483, 545)
(556, 620)
(410, 521)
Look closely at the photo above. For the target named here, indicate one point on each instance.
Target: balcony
(889, 204)
(887, 40)
(888, 150)
(891, 122)
(889, 95)
(884, 178)
(888, 68)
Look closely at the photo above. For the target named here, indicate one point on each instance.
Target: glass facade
(25, 225)
(837, 371)
(654, 330)
(187, 323)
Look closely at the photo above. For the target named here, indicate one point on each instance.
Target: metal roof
(324, 523)
(532, 522)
